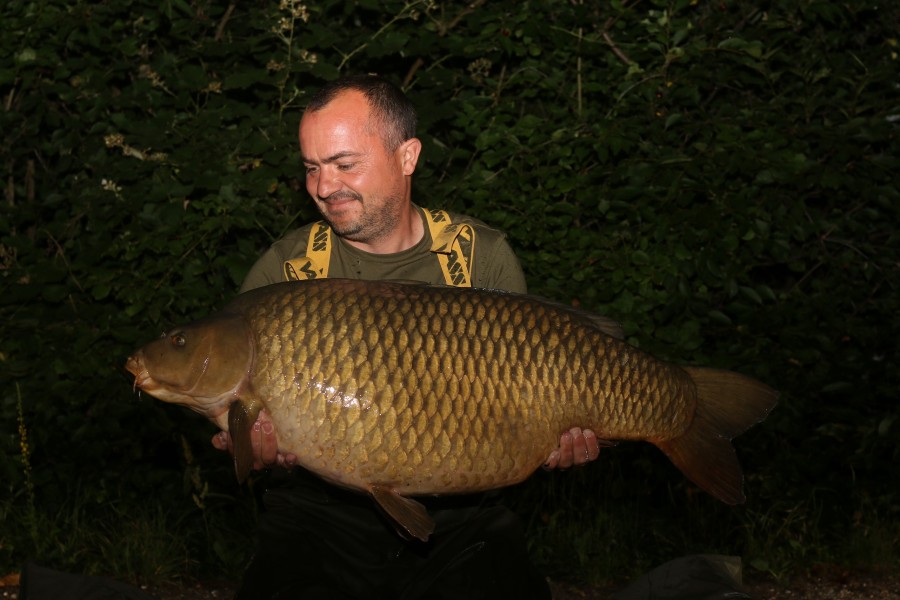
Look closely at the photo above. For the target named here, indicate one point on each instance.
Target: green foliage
(721, 177)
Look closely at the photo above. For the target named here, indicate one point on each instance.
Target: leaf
(244, 79)
(719, 317)
(672, 119)
(54, 293)
(752, 294)
(640, 257)
(101, 291)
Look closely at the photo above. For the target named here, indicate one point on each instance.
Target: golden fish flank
(398, 390)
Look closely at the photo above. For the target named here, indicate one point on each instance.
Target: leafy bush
(721, 177)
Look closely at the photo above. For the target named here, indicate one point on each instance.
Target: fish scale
(401, 390)
(453, 368)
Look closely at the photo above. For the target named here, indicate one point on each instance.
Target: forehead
(347, 116)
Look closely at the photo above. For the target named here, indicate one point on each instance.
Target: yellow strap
(454, 244)
(318, 256)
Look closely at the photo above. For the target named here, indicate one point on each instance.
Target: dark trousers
(319, 542)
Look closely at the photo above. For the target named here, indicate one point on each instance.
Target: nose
(326, 183)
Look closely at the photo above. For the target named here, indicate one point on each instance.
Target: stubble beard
(373, 224)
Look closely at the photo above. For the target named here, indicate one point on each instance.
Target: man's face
(360, 187)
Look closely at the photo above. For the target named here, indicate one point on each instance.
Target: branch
(224, 21)
(463, 13)
(615, 49)
(412, 71)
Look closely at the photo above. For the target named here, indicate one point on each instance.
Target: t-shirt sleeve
(265, 271)
(498, 268)
(269, 268)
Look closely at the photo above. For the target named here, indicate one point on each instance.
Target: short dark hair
(395, 112)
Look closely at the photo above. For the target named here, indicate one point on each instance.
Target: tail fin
(728, 404)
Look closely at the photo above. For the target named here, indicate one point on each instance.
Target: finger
(552, 461)
(287, 460)
(268, 443)
(256, 443)
(580, 453)
(221, 441)
(593, 445)
(565, 450)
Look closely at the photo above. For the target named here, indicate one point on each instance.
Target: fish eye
(178, 340)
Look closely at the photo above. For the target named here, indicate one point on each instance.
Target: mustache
(341, 195)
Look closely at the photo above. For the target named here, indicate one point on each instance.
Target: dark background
(721, 177)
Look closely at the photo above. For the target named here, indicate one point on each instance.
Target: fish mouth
(142, 378)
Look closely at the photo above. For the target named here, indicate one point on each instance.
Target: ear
(408, 155)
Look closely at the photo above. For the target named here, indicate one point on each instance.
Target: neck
(409, 231)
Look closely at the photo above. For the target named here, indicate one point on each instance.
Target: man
(358, 144)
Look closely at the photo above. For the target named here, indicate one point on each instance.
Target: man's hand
(576, 447)
(265, 445)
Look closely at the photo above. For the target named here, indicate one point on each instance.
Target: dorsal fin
(607, 325)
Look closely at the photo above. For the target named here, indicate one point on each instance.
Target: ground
(825, 583)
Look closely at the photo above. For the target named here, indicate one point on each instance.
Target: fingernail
(267, 427)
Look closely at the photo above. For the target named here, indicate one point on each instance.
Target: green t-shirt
(495, 266)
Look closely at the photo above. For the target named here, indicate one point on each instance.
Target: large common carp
(399, 390)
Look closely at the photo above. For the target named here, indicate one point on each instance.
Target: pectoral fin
(241, 416)
(410, 516)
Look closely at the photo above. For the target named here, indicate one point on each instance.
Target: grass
(595, 525)
(106, 527)
(134, 541)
